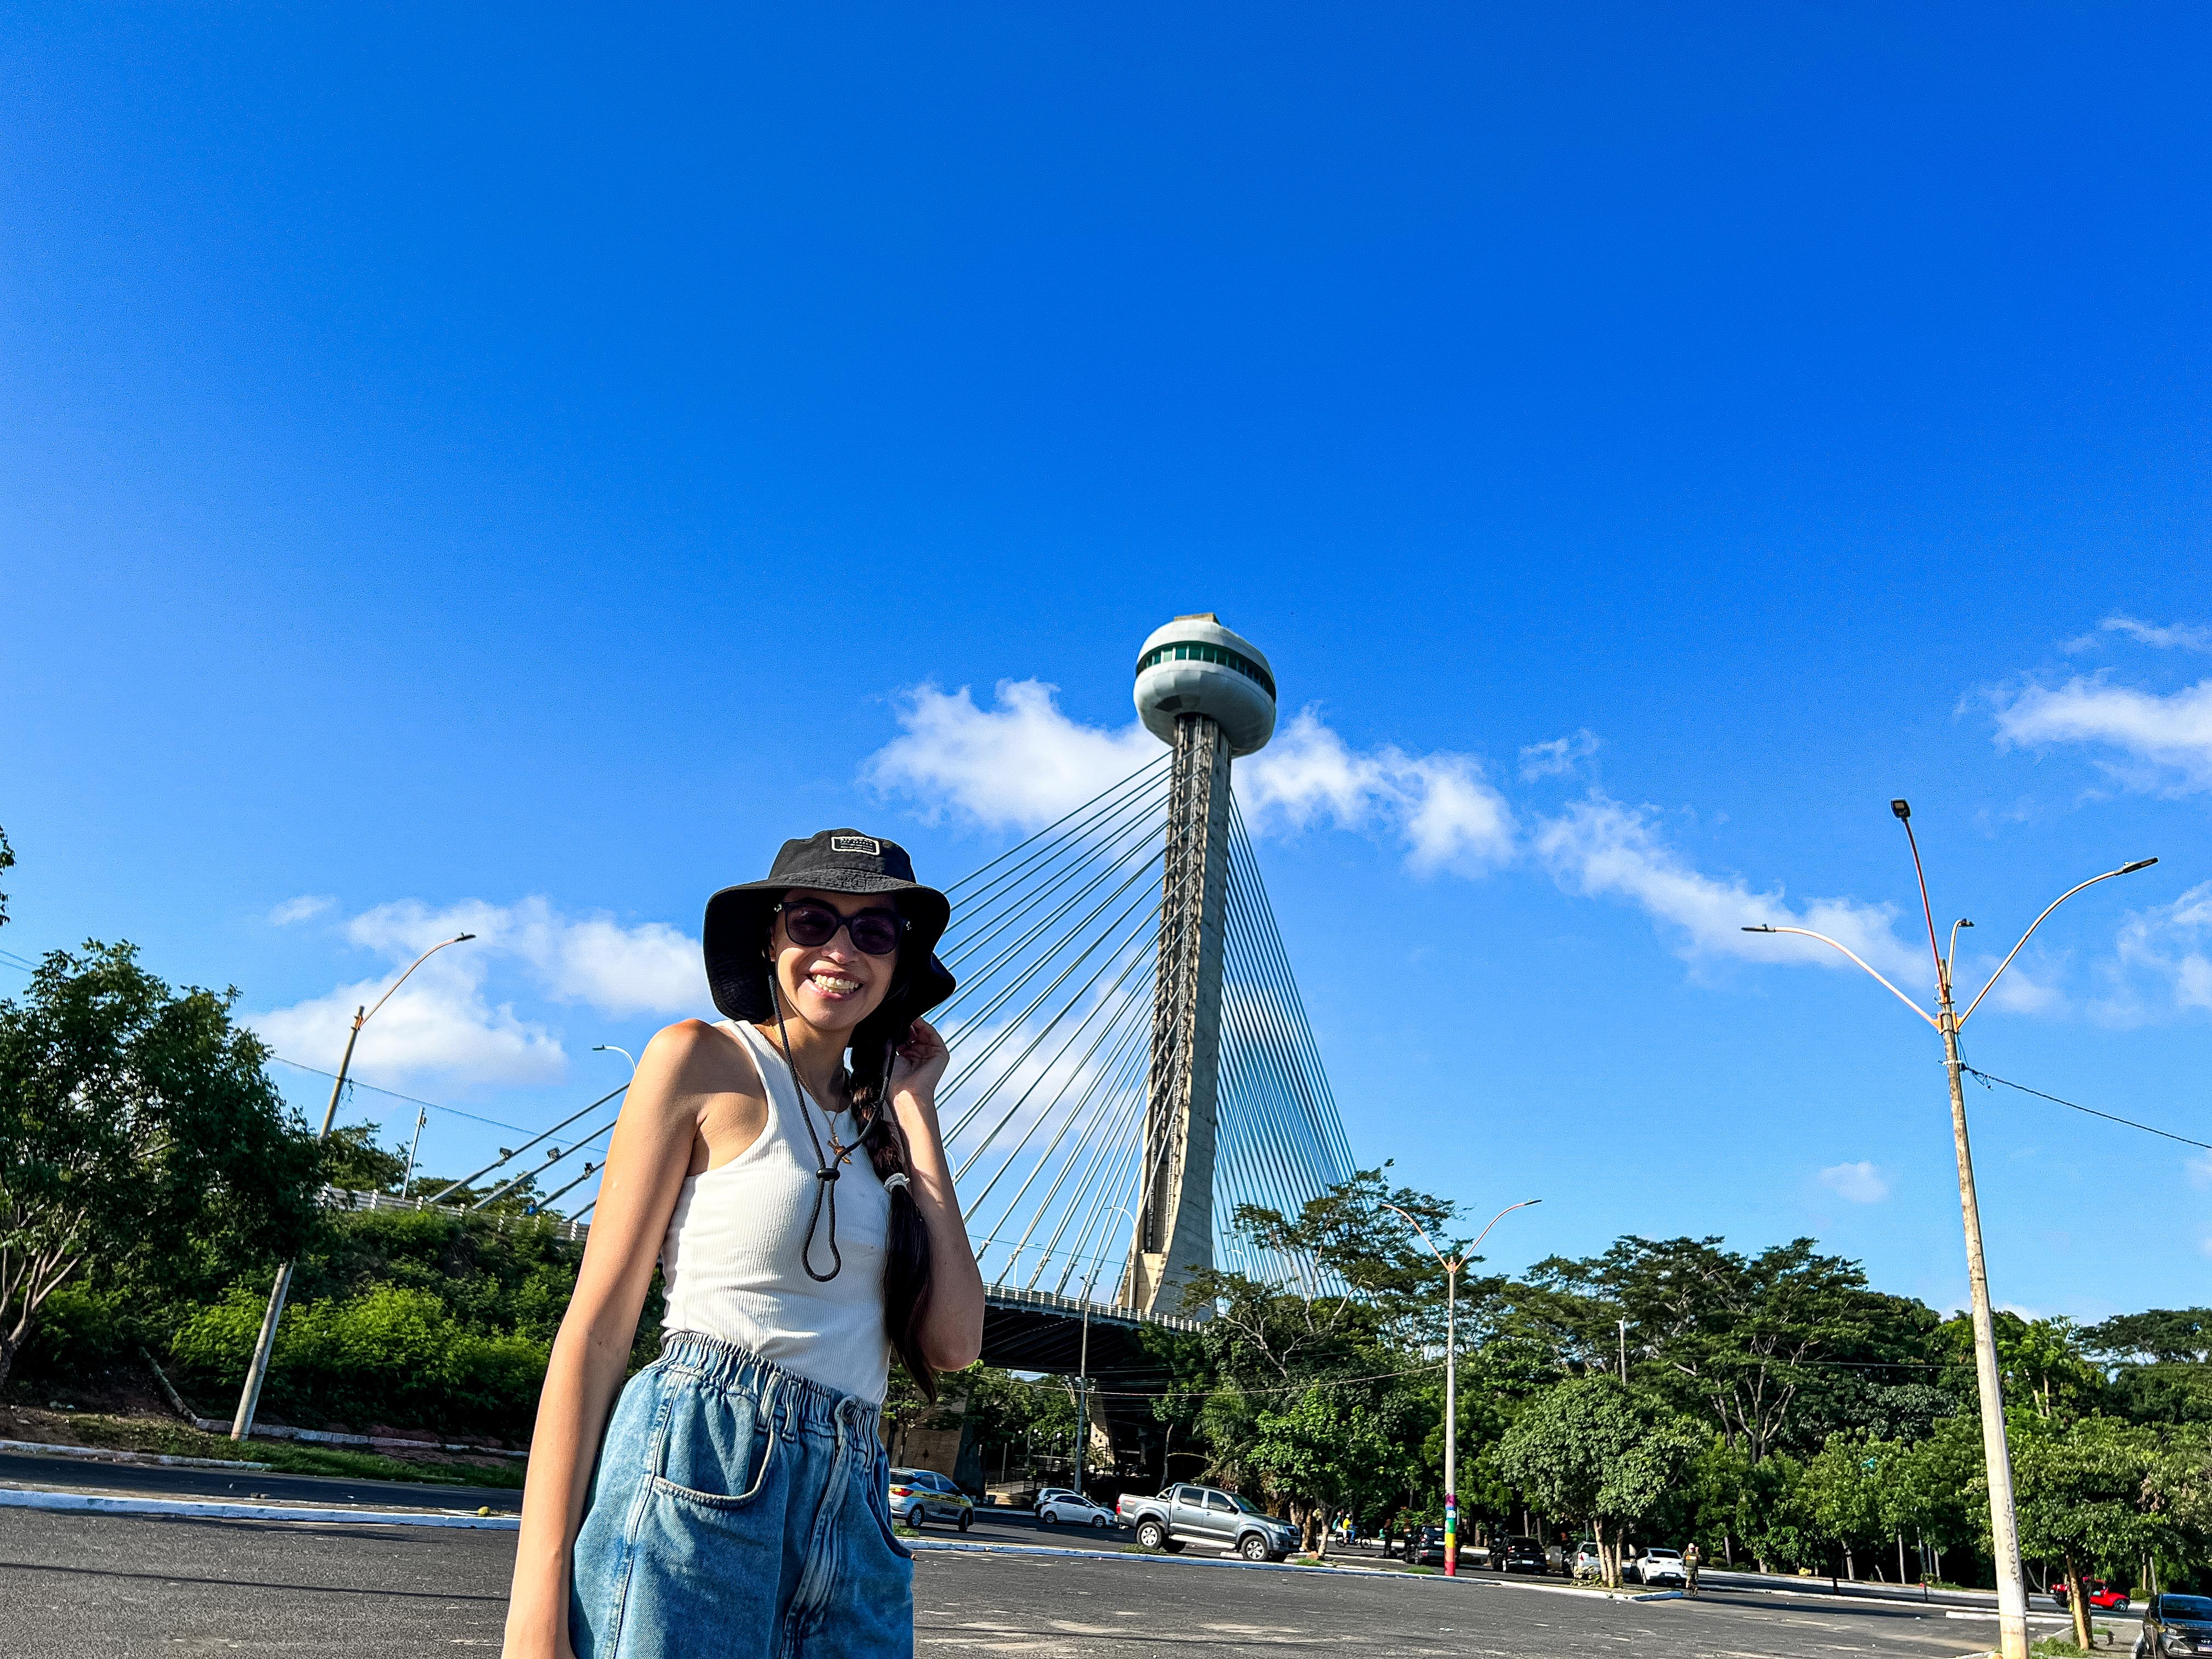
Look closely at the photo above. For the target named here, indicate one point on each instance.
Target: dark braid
(907, 1268)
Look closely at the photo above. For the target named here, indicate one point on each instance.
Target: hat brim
(736, 929)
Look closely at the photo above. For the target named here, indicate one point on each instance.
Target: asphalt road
(105, 1587)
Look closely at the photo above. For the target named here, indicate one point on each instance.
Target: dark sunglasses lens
(875, 933)
(809, 924)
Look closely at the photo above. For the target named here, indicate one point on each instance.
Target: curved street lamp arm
(1424, 1232)
(1494, 1220)
(2124, 870)
(1808, 933)
(456, 939)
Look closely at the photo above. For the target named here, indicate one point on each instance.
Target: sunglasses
(807, 923)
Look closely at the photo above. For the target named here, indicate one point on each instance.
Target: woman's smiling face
(834, 985)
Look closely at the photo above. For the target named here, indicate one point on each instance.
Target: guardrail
(1111, 1313)
(346, 1198)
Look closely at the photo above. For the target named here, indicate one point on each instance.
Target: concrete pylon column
(1209, 694)
(1174, 1217)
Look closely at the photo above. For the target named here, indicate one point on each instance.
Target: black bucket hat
(735, 935)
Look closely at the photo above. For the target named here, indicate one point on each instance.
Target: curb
(91, 1503)
(41, 1449)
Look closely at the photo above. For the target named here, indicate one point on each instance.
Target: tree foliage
(133, 1120)
(1590, 1448)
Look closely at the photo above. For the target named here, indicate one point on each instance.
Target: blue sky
(518, 468)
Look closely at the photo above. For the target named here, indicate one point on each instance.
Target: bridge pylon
(1209, 694)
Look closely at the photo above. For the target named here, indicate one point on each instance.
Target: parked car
(1424, 1547)
(1659, 1566)
(2175, 1625)
(1058, 1505)
(1182, 1515)
(2101, 1594)
(921, 1495)
(1519, 1555)
(1586, 1562)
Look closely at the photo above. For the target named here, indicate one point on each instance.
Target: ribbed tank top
(729, 1266)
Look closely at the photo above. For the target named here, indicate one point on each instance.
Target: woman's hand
(917, 1064)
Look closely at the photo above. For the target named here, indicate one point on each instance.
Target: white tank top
(729, 1266)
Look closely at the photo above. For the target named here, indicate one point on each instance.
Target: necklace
(826, 1171)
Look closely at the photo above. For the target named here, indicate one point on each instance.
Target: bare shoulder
(691, 1059)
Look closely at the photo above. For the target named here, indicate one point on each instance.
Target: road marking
(94, 1503)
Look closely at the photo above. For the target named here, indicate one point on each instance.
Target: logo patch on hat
(867, 844)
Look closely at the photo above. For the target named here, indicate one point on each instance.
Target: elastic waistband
(803, 1401)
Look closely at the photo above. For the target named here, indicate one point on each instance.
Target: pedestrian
(1690, 1559)
(786, 1169)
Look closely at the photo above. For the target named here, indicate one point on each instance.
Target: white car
(1057, 1506)
(1586, 1562)
(1657, 1565)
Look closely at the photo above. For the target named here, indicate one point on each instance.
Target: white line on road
(95, 1504)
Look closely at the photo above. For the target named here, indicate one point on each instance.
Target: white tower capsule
(1209, 694)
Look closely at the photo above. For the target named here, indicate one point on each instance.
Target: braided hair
(907, 1263)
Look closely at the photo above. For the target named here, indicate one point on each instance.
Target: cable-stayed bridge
(1130, 1058)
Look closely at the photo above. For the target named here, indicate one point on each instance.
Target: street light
(1083, 1364)
(2012, 1590)
(617, 1048)
(250, 1397)
(1451, 1265)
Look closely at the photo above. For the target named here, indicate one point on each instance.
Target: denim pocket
(716, 1447)
(879, 1499)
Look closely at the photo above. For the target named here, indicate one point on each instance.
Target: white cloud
(2167, 945)
(1017, 764)
(2175, 636)
(650, 968)
(1442, 805)
(305, 907)
(1857, 1183)
(438, 1025)
(1022, 763)
(1598, 846)
(2162, 742)
(1560, 755)
(442, 1023)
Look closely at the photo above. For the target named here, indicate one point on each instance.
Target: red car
(2101, 1595)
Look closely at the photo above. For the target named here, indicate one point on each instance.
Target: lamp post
(249, 1397)
(1083, 1364)
(1451, 1264)
(1997, 1455)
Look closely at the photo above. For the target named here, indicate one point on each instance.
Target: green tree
(2080, 1495)
(1588, 1448)
(7, 861)
(1840, 1496)
(1324, 1451)
(352, 1159)
(132, 1122)
(1744, 1340)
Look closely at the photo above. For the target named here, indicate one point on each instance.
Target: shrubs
(389, 1355)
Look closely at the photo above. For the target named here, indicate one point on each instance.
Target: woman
(802, 1210)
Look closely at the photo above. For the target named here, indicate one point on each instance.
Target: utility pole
(249, 1397)
(422, 1116)
(1997, 1455)
(1624, 1351)
(1451, 1264)
(1083, 1401)
(1083, 1362)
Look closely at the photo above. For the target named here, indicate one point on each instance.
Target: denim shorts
(738, 1509)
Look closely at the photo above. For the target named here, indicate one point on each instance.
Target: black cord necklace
(826, 1171)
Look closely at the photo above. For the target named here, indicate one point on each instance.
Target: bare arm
(952, 1330)
(685, 1067)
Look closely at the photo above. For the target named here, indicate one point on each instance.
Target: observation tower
(1209, 694)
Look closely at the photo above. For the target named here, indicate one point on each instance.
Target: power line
(2109, 1117)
